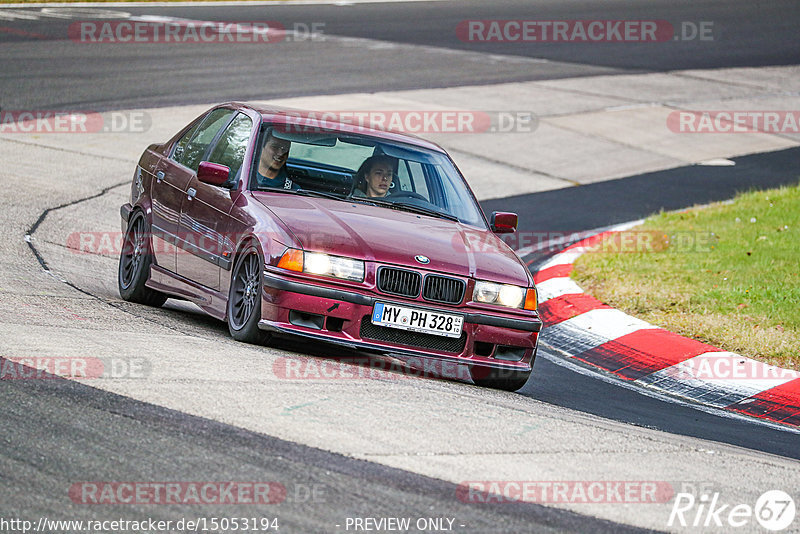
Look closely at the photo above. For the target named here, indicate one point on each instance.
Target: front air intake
(443, 289)
(399, 282)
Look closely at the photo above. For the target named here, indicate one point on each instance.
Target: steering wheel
(409, 194)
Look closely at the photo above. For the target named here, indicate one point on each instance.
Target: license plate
(417, 320)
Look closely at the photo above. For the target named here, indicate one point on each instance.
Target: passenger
(374, 177)
(272, 164)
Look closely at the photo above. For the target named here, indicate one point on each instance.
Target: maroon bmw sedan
(280, 224)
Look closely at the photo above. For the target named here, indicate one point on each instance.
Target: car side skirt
(212, 302)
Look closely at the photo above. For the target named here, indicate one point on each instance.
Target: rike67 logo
(774, 510)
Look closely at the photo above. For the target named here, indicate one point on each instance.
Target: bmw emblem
(422, 259)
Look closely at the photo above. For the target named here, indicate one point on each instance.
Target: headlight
(322, 264)
(505, 295)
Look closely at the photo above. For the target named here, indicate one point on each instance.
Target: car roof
(272, 113)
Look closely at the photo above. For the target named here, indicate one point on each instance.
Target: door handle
(159, 176)
(191, 193)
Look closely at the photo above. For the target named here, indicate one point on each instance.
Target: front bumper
(342, 317)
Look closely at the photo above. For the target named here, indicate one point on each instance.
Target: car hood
(385, 235)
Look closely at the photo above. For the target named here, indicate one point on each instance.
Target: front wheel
(134, 266)
(502, 379)
(244, 299)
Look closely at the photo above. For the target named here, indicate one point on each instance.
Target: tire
(502, 379)
(244, 298)
(134, 265)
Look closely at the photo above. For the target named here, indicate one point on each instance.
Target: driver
(272, 164)
(374, 177)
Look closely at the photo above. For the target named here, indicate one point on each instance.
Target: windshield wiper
(405, 206)
(370, 201)
(323, 194)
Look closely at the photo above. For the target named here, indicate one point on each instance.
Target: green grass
(727, 274)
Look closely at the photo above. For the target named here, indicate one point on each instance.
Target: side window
(403, 178)
(232, 145)
(193, 151)
(180, 147)
(416, 177)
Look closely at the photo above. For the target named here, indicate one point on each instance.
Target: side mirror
(213, 173)
(504, 222)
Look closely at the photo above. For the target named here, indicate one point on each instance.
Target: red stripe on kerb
(643, 352)
(556, 271)
(781, 404)
(565, 307)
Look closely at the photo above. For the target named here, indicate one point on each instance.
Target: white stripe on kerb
(563, 258)
(608, 323)
(555, 287)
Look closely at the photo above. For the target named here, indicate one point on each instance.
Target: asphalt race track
(181, 447)
(122, 76)
(210, 409)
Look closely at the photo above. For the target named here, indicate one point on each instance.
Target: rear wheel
(244, 299)
(503, 379)
(134, 265)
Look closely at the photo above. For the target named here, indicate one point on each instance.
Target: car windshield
(360, 168)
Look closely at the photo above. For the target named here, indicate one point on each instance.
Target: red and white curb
(582, 328)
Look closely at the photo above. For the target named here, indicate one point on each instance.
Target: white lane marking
(60, 13)
(718, 162)
(653, 392)
(555, 287)
(89, 12)
(12, 14)
(49, 12)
